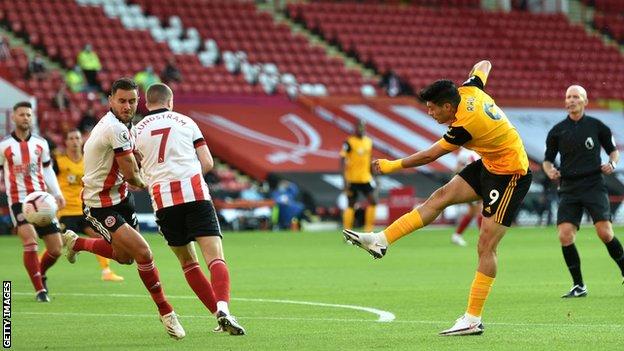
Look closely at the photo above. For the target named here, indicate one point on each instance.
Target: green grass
(423, 280)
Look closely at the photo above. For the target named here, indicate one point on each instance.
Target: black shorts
(18, 219)
(502, 194)
(357, 188)
(181, 224)
(594, 199)
(107, 220)
(75, 223)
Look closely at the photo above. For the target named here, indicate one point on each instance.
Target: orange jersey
(70, 180)
(357, 153)
(483, 127)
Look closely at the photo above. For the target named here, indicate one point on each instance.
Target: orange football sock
(481, 286)
(103, 261)
(403, 226)
(347, 218)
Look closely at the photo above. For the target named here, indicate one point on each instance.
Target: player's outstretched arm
(483, 66)
(129, 168)
(435, 151)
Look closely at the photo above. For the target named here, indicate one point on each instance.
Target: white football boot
(465, 325)
(229, 324)
(458, 240)
(367, 241)
(173, 326)
(69, 240)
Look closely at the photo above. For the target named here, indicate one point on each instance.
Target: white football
(39, 208)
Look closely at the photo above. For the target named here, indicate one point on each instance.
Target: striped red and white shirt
(22, 162)
(167, 141)
(103, 184)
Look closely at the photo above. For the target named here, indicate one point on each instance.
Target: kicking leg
(457, 190)
(107, 273)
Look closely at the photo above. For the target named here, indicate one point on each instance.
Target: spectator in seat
(146, 78)
(61, 99)
(392, 84)
(5, 50)
(171, 73)
(75, 80)
(90, 64)
(285, 197)
(36, 68)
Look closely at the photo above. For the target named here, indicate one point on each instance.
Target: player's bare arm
(435, 151)
(129, 168)
(609, 167)
(205, 158)
(50, 179)
(550, 170)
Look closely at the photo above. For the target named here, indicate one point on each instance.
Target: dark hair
(123, 84)
(441, 92)
(158, 93)
(21, 104)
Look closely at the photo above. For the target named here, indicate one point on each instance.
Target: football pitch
(310, 291)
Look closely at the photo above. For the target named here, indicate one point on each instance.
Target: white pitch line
(382, 316)
(340, 320)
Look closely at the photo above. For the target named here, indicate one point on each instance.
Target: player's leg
(503, 196)
(348, 215)
(212, 251)
(203, 226)
(127, 241)
(97, 217)
(28, 236)
(54, 246)
(464, 187)
(107, 272)
(172, 224)
(457, 190)
(369, 215)
(194, 276)
(79, 224)
(569, 216)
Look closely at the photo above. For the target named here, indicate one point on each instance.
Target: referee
(578, 139)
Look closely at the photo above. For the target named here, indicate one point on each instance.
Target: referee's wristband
(613, 164)
(387, 166)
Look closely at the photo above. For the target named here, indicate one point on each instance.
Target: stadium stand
(61, 29)
(609, 17)
(239, 26)
(531, 52)
(224, 48)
